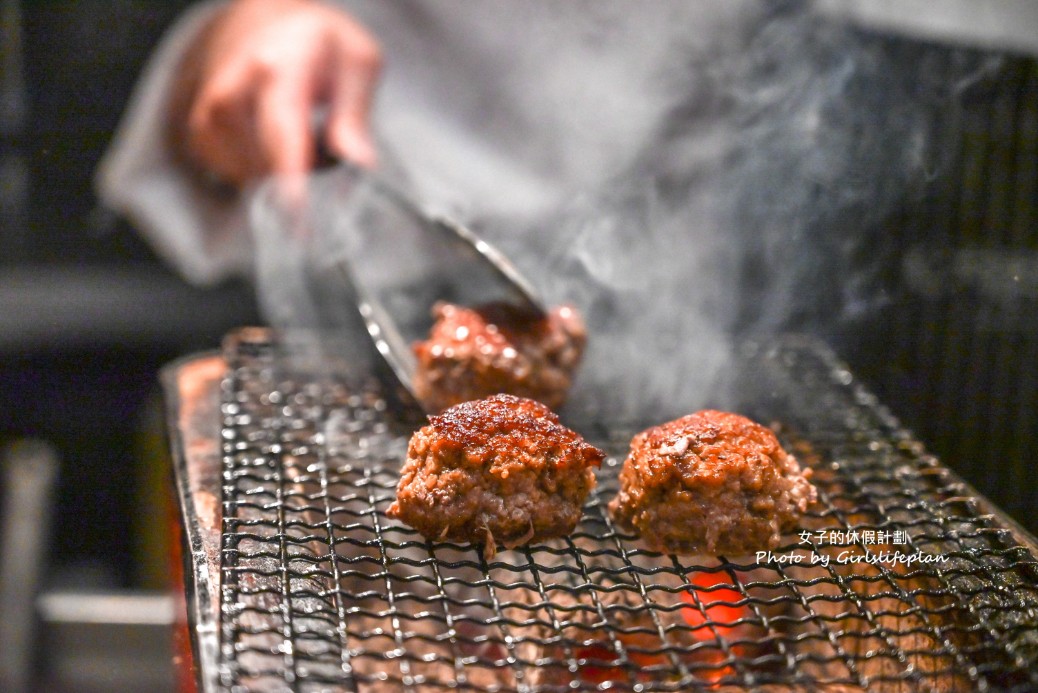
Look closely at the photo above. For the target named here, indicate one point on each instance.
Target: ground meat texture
(710, 483)
(501, 470)
(477, 352)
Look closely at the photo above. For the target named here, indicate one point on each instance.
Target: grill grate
(321, 591)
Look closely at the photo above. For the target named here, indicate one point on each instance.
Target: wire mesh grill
(321, 591)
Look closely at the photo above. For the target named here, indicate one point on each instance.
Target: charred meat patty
(501, 470)
(477, 352)
(710, 483)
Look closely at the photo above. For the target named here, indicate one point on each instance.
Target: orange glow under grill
(712, 613)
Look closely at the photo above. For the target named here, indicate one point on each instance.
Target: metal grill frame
(320, 591)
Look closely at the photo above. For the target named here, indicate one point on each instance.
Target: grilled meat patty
(478, 352)
(501, 470)
(710, 483)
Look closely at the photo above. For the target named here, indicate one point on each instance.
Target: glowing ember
(713, 613)
(604, 664)
(715, 610)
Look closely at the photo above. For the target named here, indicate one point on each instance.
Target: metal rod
(29, 471)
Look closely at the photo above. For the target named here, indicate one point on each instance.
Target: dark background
(88, 315)
(954, 353)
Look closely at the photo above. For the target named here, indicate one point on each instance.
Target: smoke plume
(760, 206)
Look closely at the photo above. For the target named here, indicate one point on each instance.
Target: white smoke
(791, 141)
(797, 140)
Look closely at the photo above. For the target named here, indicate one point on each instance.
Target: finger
(285, 139)
(221, 131)
(282, 121)
(357, 70)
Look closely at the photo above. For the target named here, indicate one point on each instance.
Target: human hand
(244, 103)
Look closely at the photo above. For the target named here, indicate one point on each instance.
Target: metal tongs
(401, 260)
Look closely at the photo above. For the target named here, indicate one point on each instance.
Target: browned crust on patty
(710, 483)
(501, 470)
(477, 352)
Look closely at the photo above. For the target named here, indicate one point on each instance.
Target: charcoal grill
(298, 581)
